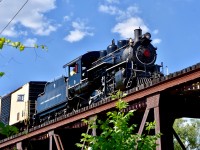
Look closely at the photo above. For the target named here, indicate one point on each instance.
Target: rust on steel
(178, 79)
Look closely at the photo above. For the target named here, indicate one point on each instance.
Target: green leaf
(8, 130)
(2, 39)
(121, 104)
(21, 47)
(36, 46)
(7, 41)
(15, 44)
(2, 74)
(44, 47)
(1, 44)
(18, 45)
(116, 132)
(85, 121)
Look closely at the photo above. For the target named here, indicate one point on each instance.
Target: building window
(17, 116)
(20, 98)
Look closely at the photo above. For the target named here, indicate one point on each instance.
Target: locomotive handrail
(123, 62)
(81, 82)
(103, 63)
(109, 54)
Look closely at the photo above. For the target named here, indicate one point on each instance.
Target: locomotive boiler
(97, 74)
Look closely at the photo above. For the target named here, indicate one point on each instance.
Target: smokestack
(137, 34)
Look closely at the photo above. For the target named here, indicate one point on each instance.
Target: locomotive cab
(79, 88)
(74, 72)
(77, 68)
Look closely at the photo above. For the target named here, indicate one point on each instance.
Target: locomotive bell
(147, 35)
(137, 34)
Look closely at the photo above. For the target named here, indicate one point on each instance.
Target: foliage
(116, 133)
(17, 45)
(1, 74)
(188, 132)
(8, 130)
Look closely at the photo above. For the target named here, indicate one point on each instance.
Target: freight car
(96, 74)
(18, 107)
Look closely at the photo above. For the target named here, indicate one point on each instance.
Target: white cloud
(75, 35)
(126, 28)
(78, 25)
(112, 1)
(47, 30)
(11, 32)
(127, 20)
(130, 12)
(113, 10)
(156, 41)
(79, 31)
(155, 31)
(30, 42)
(31, 17)
(68, 17)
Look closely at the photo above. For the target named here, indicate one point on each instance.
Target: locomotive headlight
(146, 53)
(147, 35)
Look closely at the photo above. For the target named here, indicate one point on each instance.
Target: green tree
(116, 133)
(188, 132)
(7, 130)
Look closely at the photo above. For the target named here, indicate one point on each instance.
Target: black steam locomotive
(97, 74)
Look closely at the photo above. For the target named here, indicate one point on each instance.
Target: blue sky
(69, 28)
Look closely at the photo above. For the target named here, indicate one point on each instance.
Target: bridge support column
(19, 146)
(152, 103)
(56, 139)
(51, 140)
(94, 132)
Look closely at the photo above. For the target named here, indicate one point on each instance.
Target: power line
(13, 16)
